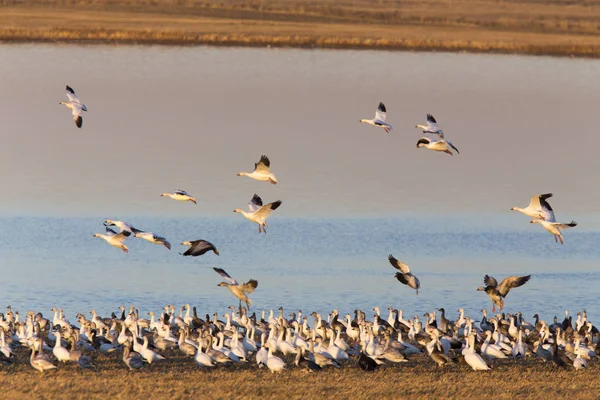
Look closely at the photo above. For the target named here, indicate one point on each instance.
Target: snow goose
(237, 289)
(497, 292)
(75, 105)
(259, 213)
(379, 119)
(405, 276)
(437, 145)
(180, 195)
(59, 351)
(431, 127)
(554, 227)
(472, 358)
(201, 358)
(308, 365)
(41, 362)
(131, 359)
(262, 171)
(274, 363)
(153, 238)
(149, 355)
(199, 247)
(124, 227)
(114, 239)
(538, 207)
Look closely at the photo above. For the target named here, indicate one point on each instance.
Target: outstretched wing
(266, 210)
(547, 211)
(110, 232)
(512, 282)
(451, 145)
(490, 281)
(255, 203)
(263, 165)
(398, 265)
(561, 225)
(380, 114)
(72, 96)
(181, 192)
(430, 119)
(249, 286)
(423, 140)
(199, 247)
(225, 275)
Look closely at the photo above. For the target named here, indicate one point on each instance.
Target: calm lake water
(163, 118)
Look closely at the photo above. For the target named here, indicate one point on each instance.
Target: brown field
(551, 27)
(179, 378)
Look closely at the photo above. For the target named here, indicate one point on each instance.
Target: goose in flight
(379, 119)
(554, 227)
(262, 171)
(180, 195)
(431, 127)
(437, 145)
(538, 207)
(124, 227)
(114, 239)
(238, 290)
(199, 247)
(152, 238)
(259, 213)
(498, 292)
(75, 105)
(404, 276)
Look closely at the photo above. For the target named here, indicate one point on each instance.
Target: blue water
(308, 264)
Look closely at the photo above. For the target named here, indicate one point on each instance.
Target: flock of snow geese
(245, 338)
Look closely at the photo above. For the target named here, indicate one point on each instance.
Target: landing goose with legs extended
(404, 276)
(262, 171)
(236, 288)
(431, 127)
(259, 212)
(179, 195)
(379, 120)
(437, 145)
(75, 105)
(549, 223)
(498, 292)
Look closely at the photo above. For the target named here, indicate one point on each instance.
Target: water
(164, 118)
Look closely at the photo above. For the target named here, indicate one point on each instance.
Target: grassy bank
(180, 378)
(527, 27)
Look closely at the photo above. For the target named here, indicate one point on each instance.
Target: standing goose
(180, 195)
(262, 171)
(437, 145)
(431, 127)
(152, 238)
(199, 247)
(497, 292)
(538, 207)
(113, 239)
(75, 105)
(41, 362)
(238, 290)
(379, 119)
(405, 276)
(259, 213)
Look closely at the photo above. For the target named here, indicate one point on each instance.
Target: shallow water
(164, 118)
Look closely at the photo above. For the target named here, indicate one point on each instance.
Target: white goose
(152, 238)
(431, 127)
(379, 119)
(75, 105)
(262, 171)
(274, 363)
(124, 227)
(114, 239)
(180, 195)
(538, 207)
(259, 213)
(554, 227)
(471, 356)
(59, 351)
(437, 145)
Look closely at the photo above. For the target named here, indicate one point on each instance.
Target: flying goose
(259, 213)
(554, 227)
(238, 290)
(180, 195)
(437, 145)
(538, 207)
(152, 238)
(262, 171)
(404, 276)
(75, 105)
(379, 119)
(431, 127)
(114, 239)
(497, 292)
(124, 227)
(199, 247)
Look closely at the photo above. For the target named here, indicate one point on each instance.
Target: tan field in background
(180, 378)
(529, 27)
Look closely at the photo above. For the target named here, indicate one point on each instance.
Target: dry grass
(180, 378)
(519, 26)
